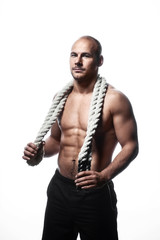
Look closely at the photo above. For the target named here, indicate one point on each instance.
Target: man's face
(83, 61)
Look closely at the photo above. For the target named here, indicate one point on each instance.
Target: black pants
(69, 211)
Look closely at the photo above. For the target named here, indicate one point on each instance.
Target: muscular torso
(73, 126)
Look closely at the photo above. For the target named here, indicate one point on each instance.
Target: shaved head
(96, 44)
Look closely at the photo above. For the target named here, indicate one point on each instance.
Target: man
(85, 201)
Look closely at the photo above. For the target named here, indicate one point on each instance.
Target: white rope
(85, 155)
(54, 111)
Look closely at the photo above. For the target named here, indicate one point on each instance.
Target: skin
(67, 134)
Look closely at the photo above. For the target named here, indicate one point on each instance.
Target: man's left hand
(89, 179)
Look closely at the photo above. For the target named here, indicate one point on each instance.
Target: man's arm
(52, 143)
(50, 146)
(126, 132)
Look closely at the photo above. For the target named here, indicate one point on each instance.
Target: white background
(35, 41)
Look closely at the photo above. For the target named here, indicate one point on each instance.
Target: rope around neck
(85, 154)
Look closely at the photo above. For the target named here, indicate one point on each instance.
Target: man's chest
(76, 114)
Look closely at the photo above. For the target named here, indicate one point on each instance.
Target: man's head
(85, 58)
(97, 48)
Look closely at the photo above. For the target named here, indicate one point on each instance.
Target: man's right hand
(30, 151)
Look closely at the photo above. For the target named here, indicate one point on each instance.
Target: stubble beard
(83, 79)
(78, 77)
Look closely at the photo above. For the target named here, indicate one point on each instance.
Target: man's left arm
(126, 132)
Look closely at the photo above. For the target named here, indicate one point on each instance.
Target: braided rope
(54, 111)
(85, 155)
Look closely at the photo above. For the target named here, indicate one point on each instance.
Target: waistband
(71, 182)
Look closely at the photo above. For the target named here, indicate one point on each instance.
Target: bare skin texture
(116, 125)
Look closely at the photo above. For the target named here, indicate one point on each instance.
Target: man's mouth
(78, 69)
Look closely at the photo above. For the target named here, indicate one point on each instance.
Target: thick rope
(54, 111)
(85, 155)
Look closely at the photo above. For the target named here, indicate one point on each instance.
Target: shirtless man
(89, 209)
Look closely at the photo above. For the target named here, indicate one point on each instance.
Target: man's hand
(89, 179)
(34, 154)
(30, 151)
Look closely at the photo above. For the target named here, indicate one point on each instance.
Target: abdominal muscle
(71, 143)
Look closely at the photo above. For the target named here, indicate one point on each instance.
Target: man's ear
(100, 61)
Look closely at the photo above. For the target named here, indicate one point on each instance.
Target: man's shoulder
(116, 99)
(115, 94)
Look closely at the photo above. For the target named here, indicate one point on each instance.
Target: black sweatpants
(69, 211)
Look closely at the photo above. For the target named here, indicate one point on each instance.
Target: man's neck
(84, 87)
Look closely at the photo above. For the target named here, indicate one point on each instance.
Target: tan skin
(67, 134)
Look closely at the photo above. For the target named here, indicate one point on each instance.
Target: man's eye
(87, 55)
(73, 55)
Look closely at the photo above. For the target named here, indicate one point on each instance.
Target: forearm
(120, 162)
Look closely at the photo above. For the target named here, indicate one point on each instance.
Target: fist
(33, 154)
(30, 151)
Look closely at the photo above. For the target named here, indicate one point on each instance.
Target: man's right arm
(50, 147)
(52, 143)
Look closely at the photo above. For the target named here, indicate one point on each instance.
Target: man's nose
(78, 60)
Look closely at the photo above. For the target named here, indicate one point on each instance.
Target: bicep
(124, 122)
